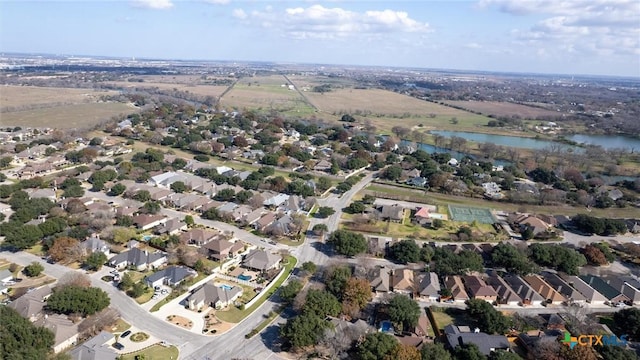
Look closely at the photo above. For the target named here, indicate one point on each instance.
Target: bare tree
(73, 278)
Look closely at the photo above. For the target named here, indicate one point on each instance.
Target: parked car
(125, 334)
(118, 346)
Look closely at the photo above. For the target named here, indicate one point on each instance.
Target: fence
(265, 290)
(239, 281)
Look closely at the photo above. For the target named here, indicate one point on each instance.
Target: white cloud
(587, 27)
(154, 4)
(239, 14)
(218, 2)
(320, 22)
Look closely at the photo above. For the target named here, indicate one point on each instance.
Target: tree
(95, 260)
(404, 311)
(73, 191)
(117, 189)
(504, 355)
(309, 267)
(290, 291)
(122, 235)
(616, 353)
(142, 196)
(179, 187)
(512, 259)
(321, 303)
(404, 251)
(468, 352)
(137, 290)
(225, 195)
(20, 339)
(449, 263)
(151, 207)
(434, 351)
(377, 346)
(558, 257)
(188, 219)
(336, 280)
(65, 249)
(325, 211)
(392, 173)
(323, 184)
(406, 352)
(126, 282)
(303, 330)
(72, 278)
(487, 318)
(179, 163)
(356, 295)
(355, 207)
(348, 243)
(52, 226)
(124, 220)
(80, 300)
(594, 255)
(627, 321)
(34, 269)
(23, 237)
(243, 196)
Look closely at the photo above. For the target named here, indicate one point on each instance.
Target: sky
(595, 37)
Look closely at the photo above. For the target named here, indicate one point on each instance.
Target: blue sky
(546, 36)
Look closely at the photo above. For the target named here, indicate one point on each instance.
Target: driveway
(131, 346)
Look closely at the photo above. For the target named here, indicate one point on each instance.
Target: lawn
(235, 315)
(144, 297)
(120, 326)
(442, 319)
(271, 316)
(155, 352)
(36, 250)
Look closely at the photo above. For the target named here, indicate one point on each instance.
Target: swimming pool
(147, 237)
(386, 326)
(226, 287)
(244, 277)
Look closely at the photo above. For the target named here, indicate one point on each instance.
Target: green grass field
(155, 352)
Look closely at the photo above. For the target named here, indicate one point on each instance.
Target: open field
(13, 98)
(198, 89)
(79, 116)
(444, 199)
(266, 93)
(503, 109)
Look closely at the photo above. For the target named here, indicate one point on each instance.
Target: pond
(607, 141)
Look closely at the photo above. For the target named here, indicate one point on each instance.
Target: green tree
(179, 187)
(434, 351)
(142, 196)
(188, 219)
(512, 259)
(377, 346)
(244, 196)
(336, 280)
(504, 355)
(151, 207)
(627, 322)
(75, 299)
(290, 291)
(126, 282)
(303, 330)
(616, 353)
(20, 339)
(52, 226)
(124, 220)
(487, 318)
(24, 237)
(117, 189)
(404, 311)
(178, 163)
(225, 195)
(348, 243)
(468, 352)
(355, 207)
(324, 212)
(404, 251)
(449, 263)
(558, 257)
(137, 290)
(34, 269)
(73, 191)
(321, 303)
(95, 260)
(319, 229)
(309, 267)
(323, 184)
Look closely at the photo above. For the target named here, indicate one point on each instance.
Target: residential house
(276, 200)
(591, 294)
(377, 246)
(537, 225)
(418, 181)
(170, 276)
(240, 212)
(379, 279)
(322, 165)
(138, 259)
(226, 209)
(64, 330)
(95, 244)
(264, 221)
(146, 221)
(284, 225)
(572, 295)
(198, 236)
(627, 285)
(613, 295)
(422, 216)
(486, 343)
(221, 250)
(31, 304)
(97, 348)
(393, 213)
(528, 295)
(172, 226)
(213, 295)
(251, 218)
(506, 295)
(545, 290)
(403, 282)
(478, 289)
(43, 194)
(429, 286)
(261, 260)
(456, 287)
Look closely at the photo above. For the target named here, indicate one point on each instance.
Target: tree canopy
(558, 257)
(487, 318)
(627, 322)
(20, 339)
(449, 263)
(404, 311)
(377, 346)
(75, 299)
(512, 259)
(434, 351)
(348, 243)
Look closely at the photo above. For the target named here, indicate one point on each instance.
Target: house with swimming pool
(217, 296)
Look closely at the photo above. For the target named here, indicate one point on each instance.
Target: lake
(606, 141)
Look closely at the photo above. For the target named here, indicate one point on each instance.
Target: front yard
(153, 352)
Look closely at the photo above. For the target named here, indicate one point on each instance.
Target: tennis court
(469, 214)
